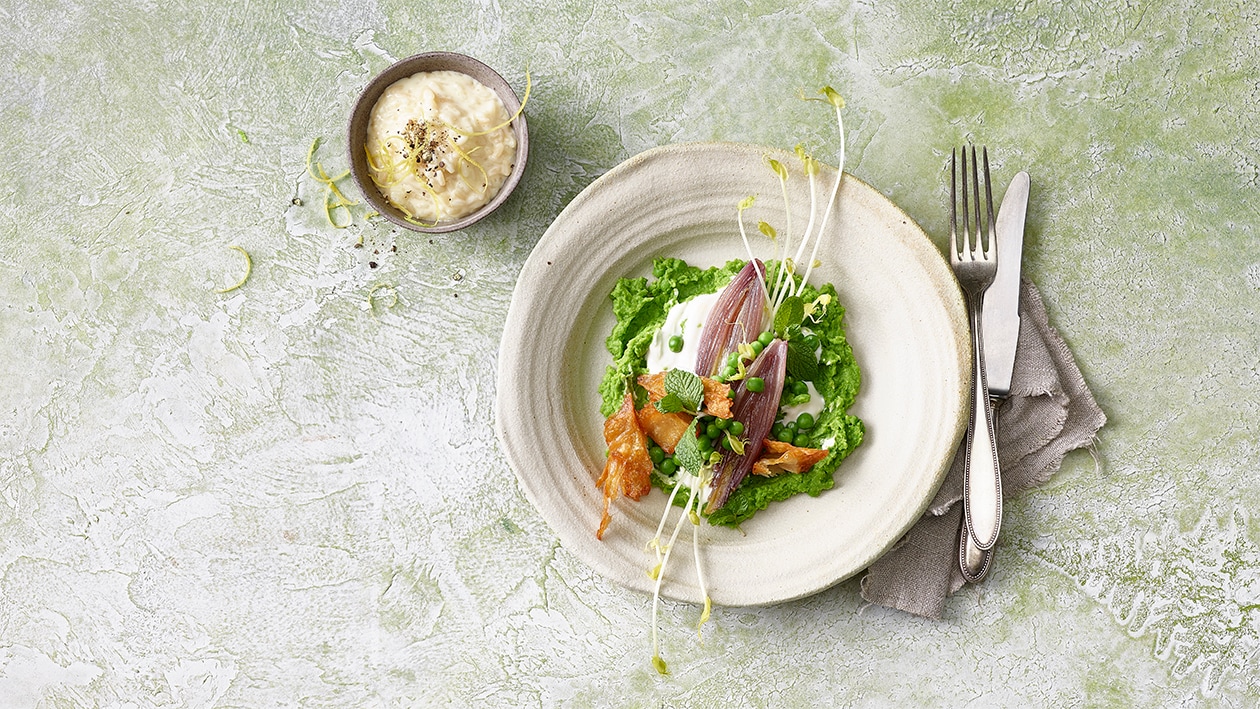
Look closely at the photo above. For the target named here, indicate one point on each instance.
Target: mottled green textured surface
(289, 495)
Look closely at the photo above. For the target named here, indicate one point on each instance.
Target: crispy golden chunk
(628, 470)
(716, 400)
(779, 457)
(665, 429)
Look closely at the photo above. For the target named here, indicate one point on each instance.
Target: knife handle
(982, 486)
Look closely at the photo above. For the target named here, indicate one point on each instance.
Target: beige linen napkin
(1050, 412)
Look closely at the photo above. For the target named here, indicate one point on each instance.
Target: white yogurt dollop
(686, 320)
(813, 407)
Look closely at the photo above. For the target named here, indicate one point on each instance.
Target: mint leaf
(670, 404)
(801, 361)
(791, 312)
(687, 452)
(686, 387)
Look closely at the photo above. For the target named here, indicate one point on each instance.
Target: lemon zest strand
(467, 157)
(331, 189)
(529, 84)
(391, 178)
(249, 267)
(372, 299)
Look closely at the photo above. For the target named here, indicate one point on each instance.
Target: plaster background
(291, 494)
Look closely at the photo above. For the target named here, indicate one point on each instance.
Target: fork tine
(975, 181)
(953, 205)
(988, 193)
(965, 209)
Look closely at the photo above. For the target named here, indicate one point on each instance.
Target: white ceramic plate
(906, 321)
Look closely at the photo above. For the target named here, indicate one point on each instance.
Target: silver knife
(1001, 335)
(1001, 301)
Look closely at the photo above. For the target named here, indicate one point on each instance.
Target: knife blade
(1001, 301)
(1001, 337)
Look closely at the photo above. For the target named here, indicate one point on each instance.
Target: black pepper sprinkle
(359, 245)
(371, 264)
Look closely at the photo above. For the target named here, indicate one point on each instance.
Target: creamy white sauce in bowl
(437, 142)
(439, 145)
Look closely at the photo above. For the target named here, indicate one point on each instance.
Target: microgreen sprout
(837, 102)
(692, 499)
(785, 266)
(693, 462)
(811, 168)
(785, 285)
(817, 308)
(249, 267)
(744, 204)
(655, 543)
(694, 516)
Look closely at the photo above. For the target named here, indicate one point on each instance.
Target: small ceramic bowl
(432, 61)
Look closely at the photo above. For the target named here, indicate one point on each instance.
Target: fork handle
(982, 496)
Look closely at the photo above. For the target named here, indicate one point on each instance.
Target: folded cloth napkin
(1050, 411)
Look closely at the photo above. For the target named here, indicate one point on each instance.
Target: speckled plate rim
(906, 320)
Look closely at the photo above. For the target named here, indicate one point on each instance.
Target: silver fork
(974, 266)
